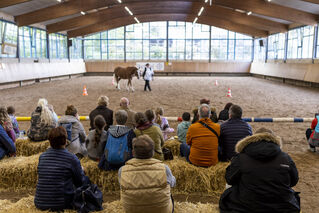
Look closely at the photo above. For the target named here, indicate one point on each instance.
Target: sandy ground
(257, 97)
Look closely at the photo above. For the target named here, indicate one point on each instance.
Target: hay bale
(26, 147)
(19, 172)
(173, 145)
(26, 205)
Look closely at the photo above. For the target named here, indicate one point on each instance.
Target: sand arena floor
(257, 97)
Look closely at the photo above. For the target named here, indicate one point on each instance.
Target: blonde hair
(103, 101)
(4, 116)
(46, 113)
(159, 112)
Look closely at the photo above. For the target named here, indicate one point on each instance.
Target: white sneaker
(313, 149)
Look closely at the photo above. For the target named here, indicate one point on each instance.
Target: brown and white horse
(125, 73)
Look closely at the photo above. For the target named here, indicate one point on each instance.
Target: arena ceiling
(257, 18)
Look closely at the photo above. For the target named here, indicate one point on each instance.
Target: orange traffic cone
(229, 93)
(216, 82)
(85, 92)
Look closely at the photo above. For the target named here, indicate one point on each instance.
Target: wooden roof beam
(272, 10)
(118, 22)
(7, 3)
(312, 1)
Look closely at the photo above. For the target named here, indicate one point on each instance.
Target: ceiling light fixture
(83, 13)
(195, 20)
(206, 1)
(201, 10)
(59, 0)
(249, 13)
(119, 1)
(128, 10)
(136, 20)
(269, 0)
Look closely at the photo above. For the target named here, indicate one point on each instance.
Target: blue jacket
(59, 174)
(231, 132)
(6, 144)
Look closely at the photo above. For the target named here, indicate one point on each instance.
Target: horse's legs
(118, 83)
(132, 86)
(128, 84)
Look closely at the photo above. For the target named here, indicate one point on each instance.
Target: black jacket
(261, 176)
(231, 132)
(105, 112)
(223, 115)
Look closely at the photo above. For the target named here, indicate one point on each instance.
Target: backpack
(68, 128)
(116, 149)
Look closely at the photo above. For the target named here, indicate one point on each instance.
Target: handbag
(88, 198)
(168, 155)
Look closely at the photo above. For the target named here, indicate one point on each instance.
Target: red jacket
(313, 126)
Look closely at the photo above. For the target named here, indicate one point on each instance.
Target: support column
(167, 41)
(124, 43)
(48, 47)
(210, 45)
(286, 47)
(315, 39)
(266, 55)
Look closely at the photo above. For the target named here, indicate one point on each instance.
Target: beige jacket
(144, 187)
(130, 117)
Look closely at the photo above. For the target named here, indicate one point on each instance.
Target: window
(260, 50)
(32, 43)
(116, 44)
(134, 42)
(300, 42)
(58, 46)
(176, 40)
(219, 44)
(276, 46)
(157, 42)
(8, 39)
(200, 42)
(76, 48)
(243, 47)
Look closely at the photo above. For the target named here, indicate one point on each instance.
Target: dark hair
(186, 116)
(71, 110)
(228, 105)
(204, 101)
(147, 64)
(99, 124)
(143, 147)
(317, 114)
(150, 115)
(11, 110)
(235, 111)
(140, 118)
(57, 137)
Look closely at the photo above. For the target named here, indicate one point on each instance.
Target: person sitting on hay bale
(144, 127)
(224, 114)
(182, 128)
(312, 134)
(202, 140)
(11, 112)
(231, 132)
(5, 122)
(7, 146)
(124, 104)
(151, 117)
(59, 173)
(96, 139)
(261, 176)
(146, 182)
(42, 121)
(118, 148)
(163, 122)
(76, 133)
(213, 114)
(102, 109)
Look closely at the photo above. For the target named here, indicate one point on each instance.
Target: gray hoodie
(182, 129)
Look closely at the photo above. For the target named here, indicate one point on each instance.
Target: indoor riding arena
(259, 54)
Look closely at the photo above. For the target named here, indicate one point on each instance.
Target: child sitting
(313, 134)
(5, 122)
(162, 121)
(182, 128)
(11, 112)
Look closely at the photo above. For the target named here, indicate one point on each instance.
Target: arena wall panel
(308, 72)
(14, 71)
(175, 66)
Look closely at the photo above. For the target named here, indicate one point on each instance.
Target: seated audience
(11, 112)
(42, 121)
(124, 104)
(162, 122)
(5, 122)
(146, 182)
(102, 109)
(118, 148)
(75, 130)
(202, 140)
(144, 127)
(7, 146)
(261, 176)
(224, 114)
(213, 114)
(96, 139)
(59, 173)
(182, 128)
(151, 117)
(231, 132)
(312, 134)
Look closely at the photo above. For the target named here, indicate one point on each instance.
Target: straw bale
(173, 145)
(26, 147)
(19, 172)
(26, 205)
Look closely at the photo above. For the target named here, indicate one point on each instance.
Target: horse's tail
(113, 80)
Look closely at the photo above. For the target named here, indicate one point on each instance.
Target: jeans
(147, 85)
(185, 150)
